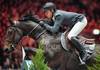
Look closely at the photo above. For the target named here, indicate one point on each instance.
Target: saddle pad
(89, 41)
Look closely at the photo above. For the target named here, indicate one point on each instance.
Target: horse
(57, 57)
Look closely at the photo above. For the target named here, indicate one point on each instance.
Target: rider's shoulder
(58, 13)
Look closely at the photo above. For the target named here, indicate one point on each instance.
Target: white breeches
(77, 28)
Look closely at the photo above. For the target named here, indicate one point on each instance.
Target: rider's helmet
(49, 6)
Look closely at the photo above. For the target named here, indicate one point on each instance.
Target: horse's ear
(11, 21)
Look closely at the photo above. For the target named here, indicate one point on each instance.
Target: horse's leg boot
(80, 48)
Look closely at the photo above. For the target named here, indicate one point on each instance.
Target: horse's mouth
(6, 48)
(7, 45)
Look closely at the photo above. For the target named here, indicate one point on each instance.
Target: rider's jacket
(63, 18)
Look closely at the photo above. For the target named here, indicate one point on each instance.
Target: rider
(76, 22)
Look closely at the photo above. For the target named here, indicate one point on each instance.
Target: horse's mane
(27, 26)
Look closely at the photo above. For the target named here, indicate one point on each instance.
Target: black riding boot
(80, 48)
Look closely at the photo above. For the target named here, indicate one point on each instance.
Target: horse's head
(12, 37)
(15, 33)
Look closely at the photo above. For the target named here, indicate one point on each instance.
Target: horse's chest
(52, 44)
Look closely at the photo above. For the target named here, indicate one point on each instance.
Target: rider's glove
(41, 23)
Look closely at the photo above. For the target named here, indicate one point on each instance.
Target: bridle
(16, 30)
(34, 30)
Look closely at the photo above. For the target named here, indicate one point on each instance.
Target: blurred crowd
(16, 9)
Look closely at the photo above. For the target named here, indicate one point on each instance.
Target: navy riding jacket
(63, 18)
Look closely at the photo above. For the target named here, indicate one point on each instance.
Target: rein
(41, 34)
(34, 29)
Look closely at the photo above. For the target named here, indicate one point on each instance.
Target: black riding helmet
(49, 6)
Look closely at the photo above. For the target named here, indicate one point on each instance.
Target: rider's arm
(57, 23)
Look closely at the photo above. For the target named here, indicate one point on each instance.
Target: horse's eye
(10, 32)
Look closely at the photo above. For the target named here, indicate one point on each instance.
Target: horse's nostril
(5, 49)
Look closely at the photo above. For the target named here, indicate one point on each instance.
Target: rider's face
(48, 14)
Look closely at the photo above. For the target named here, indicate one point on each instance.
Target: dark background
(15, 9)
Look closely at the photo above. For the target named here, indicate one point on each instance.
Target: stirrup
(81, 61)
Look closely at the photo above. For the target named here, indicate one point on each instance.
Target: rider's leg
(78, 27)
(80, 48)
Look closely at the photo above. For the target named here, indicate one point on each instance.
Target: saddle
(83, 40)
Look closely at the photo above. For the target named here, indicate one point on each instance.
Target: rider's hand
(41, 23)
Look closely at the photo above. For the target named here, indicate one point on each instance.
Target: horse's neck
(30, 28)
